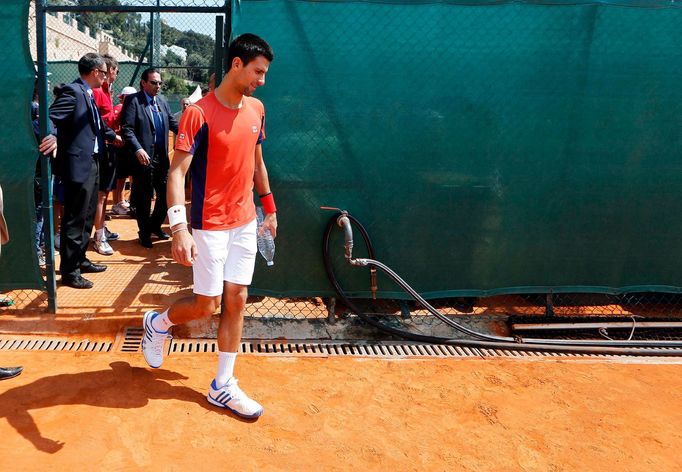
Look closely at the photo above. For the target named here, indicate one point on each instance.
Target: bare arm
(183, 248)
(175, 188)
(262, 184)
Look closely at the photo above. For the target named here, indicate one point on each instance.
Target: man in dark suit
(146, 120)
(81, 135)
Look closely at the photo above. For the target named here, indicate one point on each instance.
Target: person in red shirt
(107, 165)
(220, 138)
(124, 160)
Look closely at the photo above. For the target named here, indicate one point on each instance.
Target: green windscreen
(487, 149)
(18, 150)
(494, 147)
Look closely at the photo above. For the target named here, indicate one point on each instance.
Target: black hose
(647, 348)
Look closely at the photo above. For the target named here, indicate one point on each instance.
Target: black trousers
(146, 181)
(80, 201)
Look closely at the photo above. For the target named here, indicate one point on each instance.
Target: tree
(196, 43)
(196, 67)
(172, 59)
(174, 85)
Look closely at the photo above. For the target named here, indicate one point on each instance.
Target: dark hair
(247, 47)
(110, 61)
(147, 72)
(89, 62)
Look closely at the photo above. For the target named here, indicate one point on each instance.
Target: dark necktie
(158, 125)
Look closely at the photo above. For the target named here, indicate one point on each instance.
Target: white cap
(196, 95)
(127, 91)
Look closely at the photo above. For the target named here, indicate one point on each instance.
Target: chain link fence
(498, 90)
(480, 60)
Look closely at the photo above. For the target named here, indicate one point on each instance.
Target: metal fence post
(219, 50)
(46, 177)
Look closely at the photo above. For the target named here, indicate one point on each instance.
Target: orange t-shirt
(223, 144)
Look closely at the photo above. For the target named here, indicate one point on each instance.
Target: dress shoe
(161, 235)
(9, 372)
(146, 241)
(92, 268)
(76, 282)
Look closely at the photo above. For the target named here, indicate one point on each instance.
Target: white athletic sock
(161, 323)
(225, 367)
(99, 235)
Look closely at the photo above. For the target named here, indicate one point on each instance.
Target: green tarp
(18, 150)
(505, 148)
(491, 149)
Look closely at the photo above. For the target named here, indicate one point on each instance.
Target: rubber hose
(564, 346)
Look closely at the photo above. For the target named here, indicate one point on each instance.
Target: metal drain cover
(33, 343)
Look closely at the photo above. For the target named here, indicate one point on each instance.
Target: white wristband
(176, 215)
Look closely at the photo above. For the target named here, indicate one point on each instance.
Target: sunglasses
(103, 72)
(156, 82)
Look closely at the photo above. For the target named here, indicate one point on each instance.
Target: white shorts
(224, 255)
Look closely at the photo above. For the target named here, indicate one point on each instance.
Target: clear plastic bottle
(266, 244)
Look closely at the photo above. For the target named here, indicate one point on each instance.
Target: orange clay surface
(109, 411)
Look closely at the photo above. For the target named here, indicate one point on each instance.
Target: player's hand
(183, 248)
(142, 157)
(118, 142)
(269, 222)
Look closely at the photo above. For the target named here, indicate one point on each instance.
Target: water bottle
(266, 245)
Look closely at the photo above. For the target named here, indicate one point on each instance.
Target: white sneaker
(153, 341)
(125, 204)
(104, 248)
(119, 209)
(233, 398)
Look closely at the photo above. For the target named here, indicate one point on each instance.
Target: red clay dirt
(109, 411)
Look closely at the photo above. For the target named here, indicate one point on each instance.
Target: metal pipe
(596, 325)
(46, 177)
(109, 8)
(344, 223)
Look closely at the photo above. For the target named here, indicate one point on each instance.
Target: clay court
(107, 409)
(112, 412)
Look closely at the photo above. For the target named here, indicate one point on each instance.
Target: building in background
(68, 40)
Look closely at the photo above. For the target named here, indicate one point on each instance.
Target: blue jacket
(73, 116)
(137, 123)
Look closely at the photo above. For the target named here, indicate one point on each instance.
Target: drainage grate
(132, 338)
(31, 343)
(325, 349)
